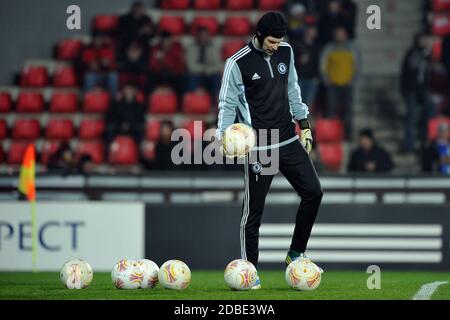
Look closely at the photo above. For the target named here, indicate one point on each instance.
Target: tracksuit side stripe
(227, 71)
(245, 210)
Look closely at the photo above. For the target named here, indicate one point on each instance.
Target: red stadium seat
(5, 102)
(63, 102)
(93, 148)
(196, 102)
(433, 126)
(16, 152)
(148, 150)
(30, 102)
(172, 24)
(436, 51)
(105, 23)
(331, 155)
(48, 149)
(239, 4)
(96, 101)
(175, 4)
(3, 129)
(268, 5)
(123, 151)
(152, 130)
(26, 129)
(65, 76)
(34, 76)
(205, 22)
(91, 129)
(237, 26)
(69, 49)
(440, 5)
(196, 128)
(162, 101)
(206, 4)
(328, 130)
(59, 129)
(231, 47)
(440, 24)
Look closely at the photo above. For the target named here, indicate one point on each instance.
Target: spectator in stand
(334, 17)
(163, 149)
(307, 54)
(98, 64)
(296, 23)
(63, 160)
(414, 89)
(126, 116)
(436, 157)
(368, 156)
(204, 63)
(134, 65)
(167, 64)
(339, 67)
(446, 57)
(136, 25)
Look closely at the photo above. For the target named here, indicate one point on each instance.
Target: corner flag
(28, 188)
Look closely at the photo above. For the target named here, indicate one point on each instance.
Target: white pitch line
(427, 290)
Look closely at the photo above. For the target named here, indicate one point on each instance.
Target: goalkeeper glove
(305, 135)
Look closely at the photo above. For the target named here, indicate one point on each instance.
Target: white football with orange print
(127, 274)
(240, 274)
(303, 274)
(174, 274)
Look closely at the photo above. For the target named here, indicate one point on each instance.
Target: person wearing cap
(260, 88)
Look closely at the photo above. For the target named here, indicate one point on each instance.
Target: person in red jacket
(167, 64)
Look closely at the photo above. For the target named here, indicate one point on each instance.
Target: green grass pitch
(209, 285)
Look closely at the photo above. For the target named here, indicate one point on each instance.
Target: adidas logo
(256, 77)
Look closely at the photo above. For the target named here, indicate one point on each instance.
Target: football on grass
(174, 274)
(127, 274)
(303, 274)
(240, 274)
(76, 274)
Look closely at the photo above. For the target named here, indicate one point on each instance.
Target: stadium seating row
(124, 151)
(176, 25)
(217, 4)
(161, 101)
(326, 130)
(70, 49)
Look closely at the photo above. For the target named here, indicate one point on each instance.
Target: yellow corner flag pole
(28, 188)
(33, 236)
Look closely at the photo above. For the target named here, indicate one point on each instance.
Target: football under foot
(292, 256)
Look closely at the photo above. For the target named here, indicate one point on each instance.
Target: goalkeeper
(260, 88)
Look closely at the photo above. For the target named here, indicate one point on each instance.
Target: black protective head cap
(271, 24)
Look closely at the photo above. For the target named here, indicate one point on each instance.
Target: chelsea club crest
(256, 167)
(282, 68)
